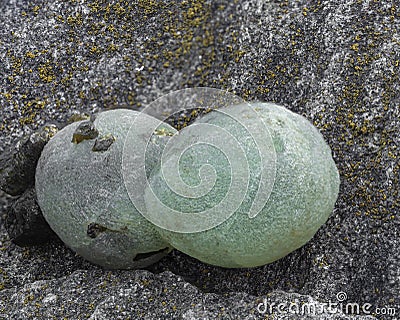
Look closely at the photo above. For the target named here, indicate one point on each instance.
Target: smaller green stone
(81, 192)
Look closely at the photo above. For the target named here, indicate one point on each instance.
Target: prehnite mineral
(294, 170)
(82, 195)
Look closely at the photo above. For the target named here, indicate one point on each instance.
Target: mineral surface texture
(297, 191)
(82, 194)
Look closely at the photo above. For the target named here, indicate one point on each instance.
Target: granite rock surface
(335, 62)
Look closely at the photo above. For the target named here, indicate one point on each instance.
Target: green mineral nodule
(81, 192)
(304, 180)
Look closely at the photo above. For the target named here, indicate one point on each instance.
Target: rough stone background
(335, 62)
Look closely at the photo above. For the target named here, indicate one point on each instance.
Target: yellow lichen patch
(36, 9)
(30, 55)
(94, 50)
(7, 95)
(72, 20)
(16, 64)
(149, 6)
(354, 47)
(30, 110)
(112, 47)
(163, 132)
(46, 72)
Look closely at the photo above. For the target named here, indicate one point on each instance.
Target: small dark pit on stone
(103, 143)
(94, 229)
(85, 131)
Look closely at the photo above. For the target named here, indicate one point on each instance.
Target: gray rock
(335, 62)
(143, 295)
(25, 223)
(18, 165)
(23, 218)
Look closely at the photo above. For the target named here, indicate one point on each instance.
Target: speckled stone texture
(335, 62)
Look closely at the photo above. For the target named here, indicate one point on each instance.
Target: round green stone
(81, 192)
(304, 186)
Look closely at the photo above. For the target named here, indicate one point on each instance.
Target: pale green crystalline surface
(303, 196)
(80, 189)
